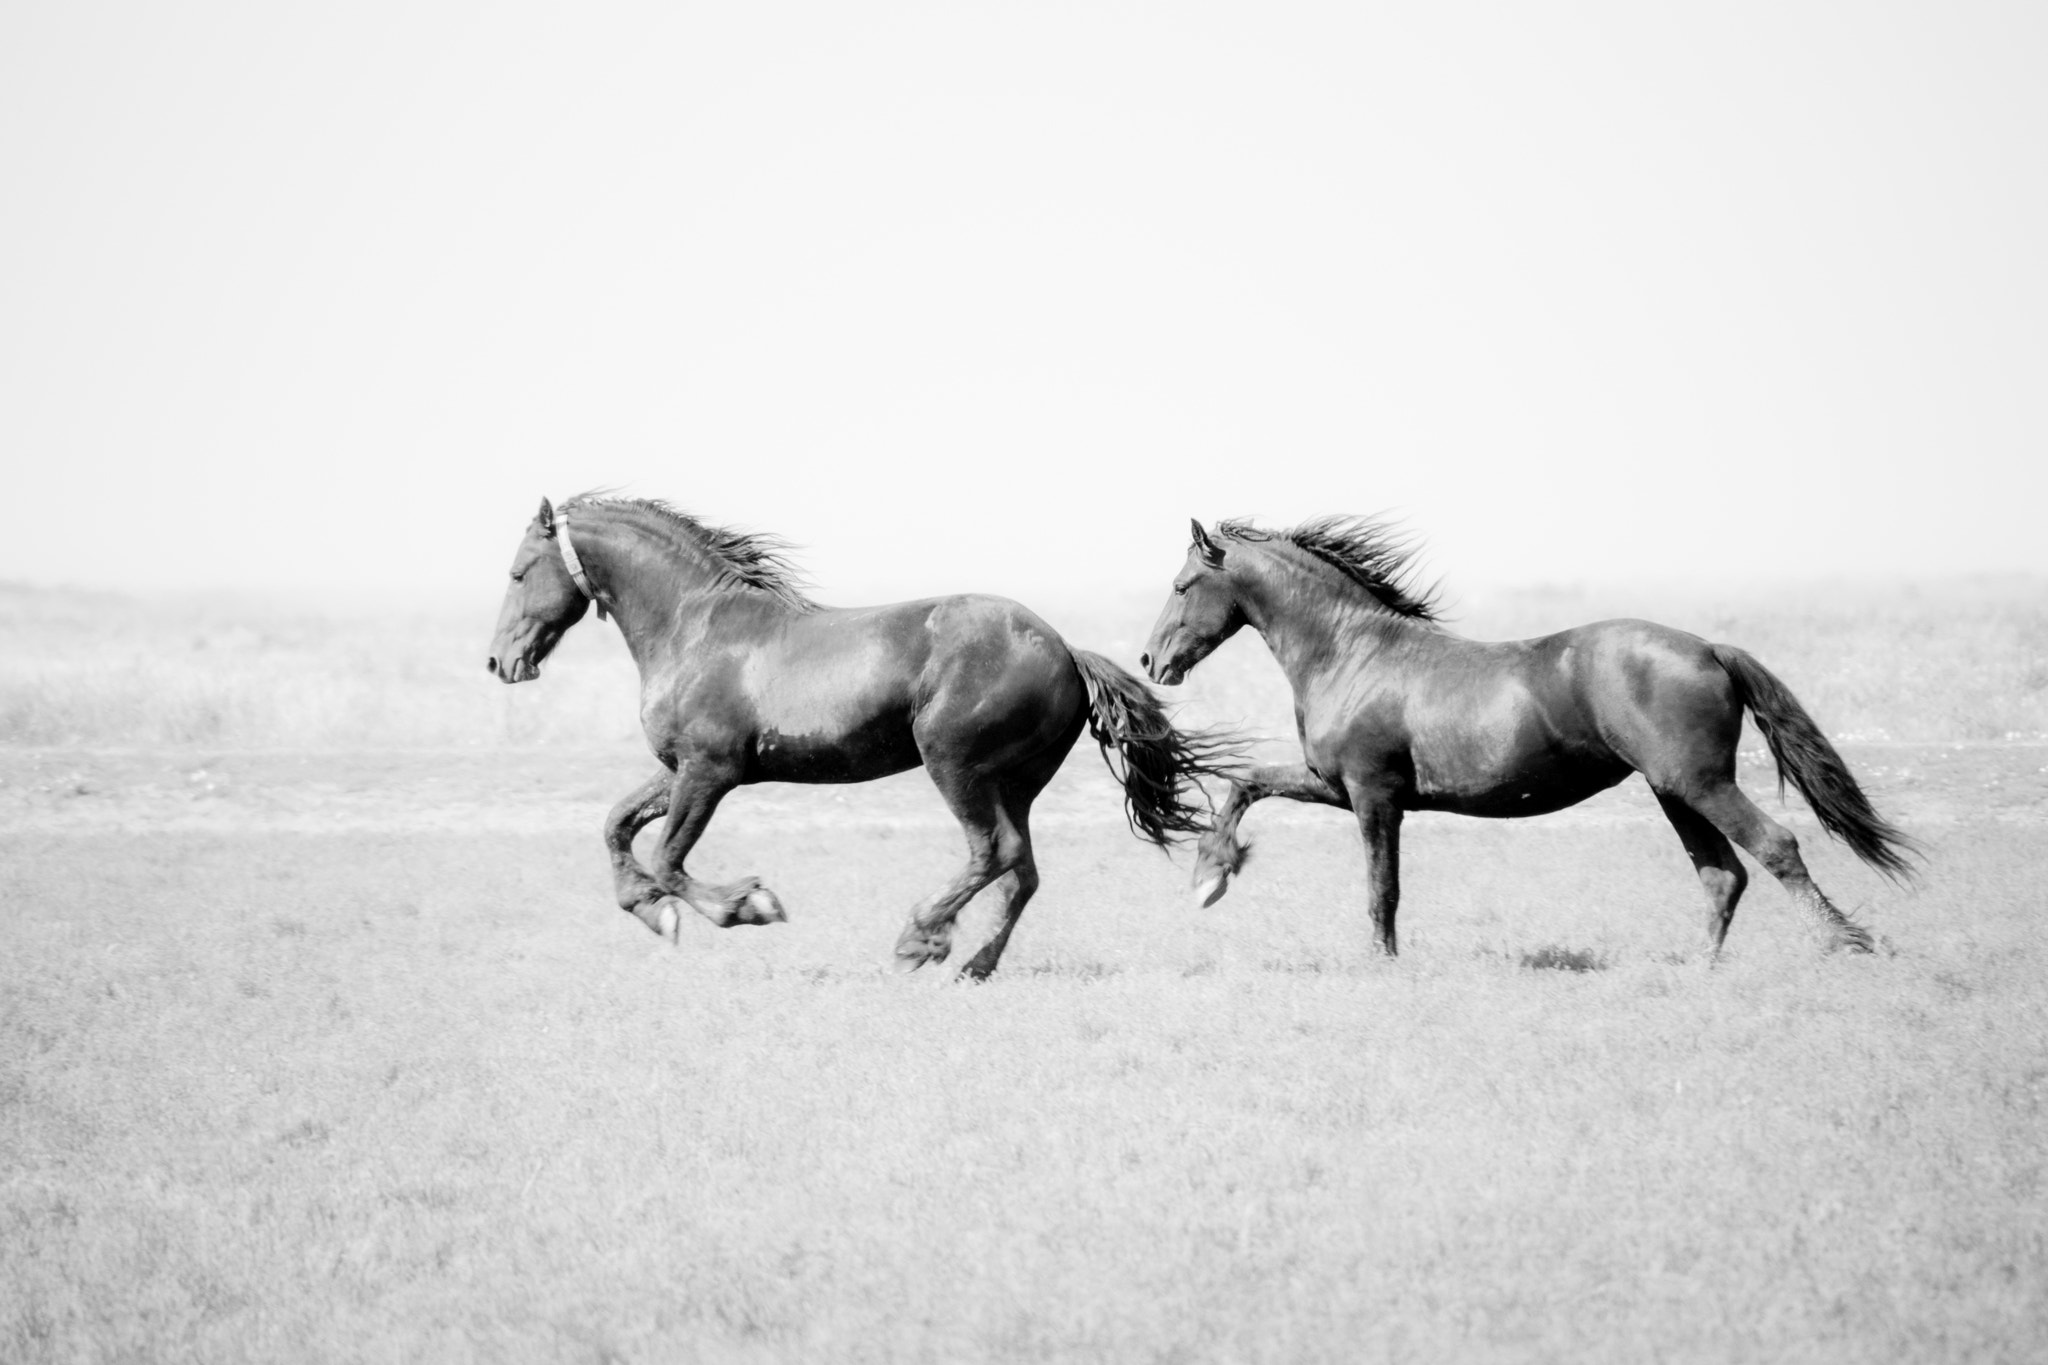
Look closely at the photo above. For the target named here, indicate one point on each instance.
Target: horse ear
(545, 518)
(1212, 553)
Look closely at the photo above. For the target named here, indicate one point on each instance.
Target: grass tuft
(1555, 959)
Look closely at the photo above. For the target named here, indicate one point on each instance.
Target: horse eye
(1180, 590)
(517, 577)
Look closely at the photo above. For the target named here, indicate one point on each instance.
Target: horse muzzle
(1167, 673)
(513, 670)
(516, 654)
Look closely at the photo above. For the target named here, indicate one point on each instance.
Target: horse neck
(662, 596)
(1312, 616)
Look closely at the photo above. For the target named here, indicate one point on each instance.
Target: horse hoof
(911, 956)
(1209, 892)
(760, 906)
(915, 952)
(667, 923)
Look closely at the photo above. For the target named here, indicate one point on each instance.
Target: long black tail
(1805, 755)
(1161, 764)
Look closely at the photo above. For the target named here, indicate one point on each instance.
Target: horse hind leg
(1713, 857)
(1013, 850)
(928, 937)
(1777, 848)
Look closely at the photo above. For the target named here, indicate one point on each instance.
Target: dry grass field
(321, 1040)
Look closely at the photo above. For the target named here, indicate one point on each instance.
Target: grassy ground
(327, 1060)
(343, 1054)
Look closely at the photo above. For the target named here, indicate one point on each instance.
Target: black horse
(744, 679)
(1396, 714)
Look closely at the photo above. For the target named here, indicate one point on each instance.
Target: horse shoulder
(1360, 700)
(1363, 726)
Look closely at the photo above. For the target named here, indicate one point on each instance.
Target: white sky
(977, 296)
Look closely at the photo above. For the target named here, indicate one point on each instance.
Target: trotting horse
(1396, 714)
(744, 679)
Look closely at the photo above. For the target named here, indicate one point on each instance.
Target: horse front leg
(1379, 825)
(1220, 854)
(693, 797)
(639, 894)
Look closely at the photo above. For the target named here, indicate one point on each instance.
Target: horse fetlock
(1221, 850)
(1841, 932)
(1217, 859)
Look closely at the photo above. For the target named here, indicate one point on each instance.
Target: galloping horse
(744, 679)
(1396, 714)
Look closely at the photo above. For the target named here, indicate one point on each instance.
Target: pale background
(320, 1036)
(306, 298)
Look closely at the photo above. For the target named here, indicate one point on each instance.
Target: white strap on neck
(574, 565)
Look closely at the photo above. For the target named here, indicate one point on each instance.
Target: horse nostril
(1144, 661)
(491, 665)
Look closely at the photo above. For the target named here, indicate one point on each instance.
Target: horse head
(541, 602)
(1201, 614)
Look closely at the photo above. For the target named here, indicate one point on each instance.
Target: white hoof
(669, 923)
(761, 907)
(1209, 892)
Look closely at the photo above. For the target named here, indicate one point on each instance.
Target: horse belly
(1533, 793)
(1504, 775)
(860, 753)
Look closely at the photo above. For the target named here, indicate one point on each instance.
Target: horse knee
(619, 832)
(1012, 850)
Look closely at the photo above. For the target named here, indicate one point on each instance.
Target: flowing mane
(740, 559)
(1375, 555)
